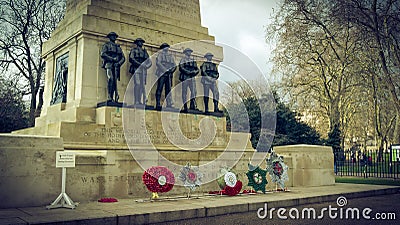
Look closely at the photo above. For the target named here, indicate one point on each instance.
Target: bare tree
(384, 113)
(24, 26)
(379, 24)
(316, 56)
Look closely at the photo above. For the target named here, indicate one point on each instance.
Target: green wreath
(257, 178)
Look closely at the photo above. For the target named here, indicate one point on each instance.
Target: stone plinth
(312, 165)
(164, 130)
(105, 165)
(115, 173)
(28, 176)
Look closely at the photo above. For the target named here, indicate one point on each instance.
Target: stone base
(309, 165)
(28, 176)
(105, 166)
(102, 118)
(168, 109)
(116, 174)
(217, 114)
(140, 106)
(110, 103)
(193, 111)
(198, 112)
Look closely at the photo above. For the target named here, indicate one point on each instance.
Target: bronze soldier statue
(165, 69)
(188, 70)
(113, 58)
(140, 63)
(209, 73)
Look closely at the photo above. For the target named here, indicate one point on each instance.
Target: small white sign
(65, 159)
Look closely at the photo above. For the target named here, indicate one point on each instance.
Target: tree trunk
(334, 117)
(40, 103)
(396, 135)
(32, 109)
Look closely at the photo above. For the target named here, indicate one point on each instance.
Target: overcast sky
(240, 24)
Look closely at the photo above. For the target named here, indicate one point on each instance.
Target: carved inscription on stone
(116, 135)
(186, 10)
(180, 9)
(133, 180)
(103, 179)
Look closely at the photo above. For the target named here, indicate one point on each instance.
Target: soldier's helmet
(112, 34)
(187, 50)
(139, 40)
(164, 45)
(208, 54)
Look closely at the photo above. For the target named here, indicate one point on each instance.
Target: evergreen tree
(13, 113)
(289, 130)
(334, 139)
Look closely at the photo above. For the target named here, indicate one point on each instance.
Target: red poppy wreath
(158, 179)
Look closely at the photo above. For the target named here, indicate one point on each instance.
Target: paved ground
(217, 209)
(385, 210)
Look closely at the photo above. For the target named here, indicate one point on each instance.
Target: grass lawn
(361, 180)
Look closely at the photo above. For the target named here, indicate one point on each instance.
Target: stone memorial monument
(114, 144)
(103, 145)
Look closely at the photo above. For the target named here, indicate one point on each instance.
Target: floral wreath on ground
(257, 178)
(277, 169)
(190, 176)
(228, 182)
(158, 179)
